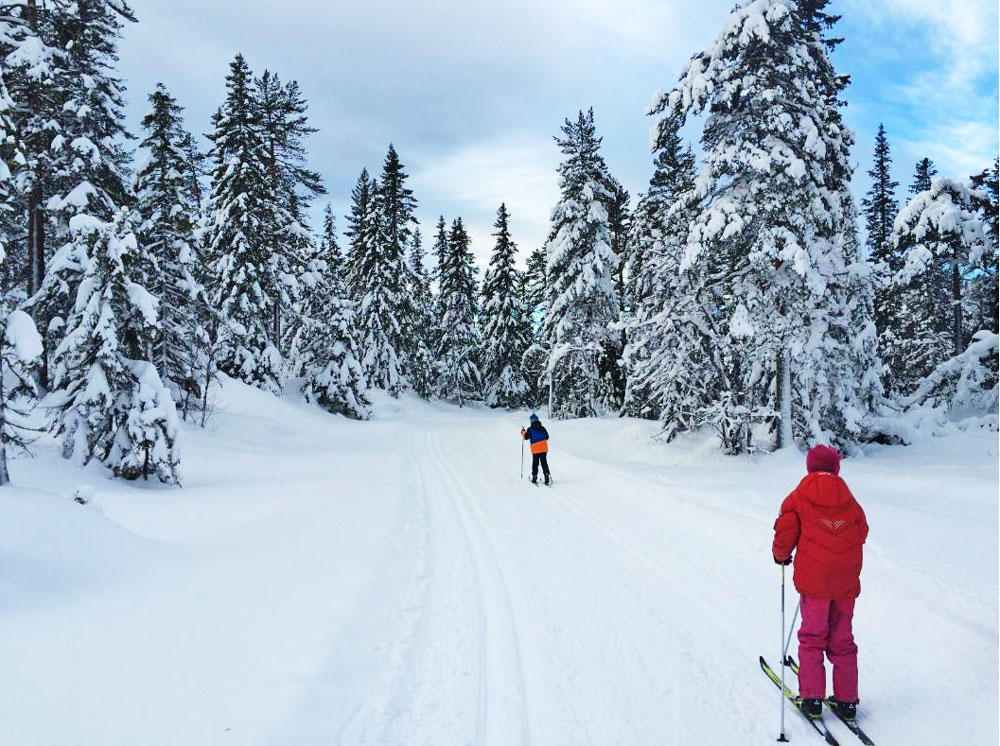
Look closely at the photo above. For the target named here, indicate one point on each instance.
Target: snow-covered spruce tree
(661, 296)
(778, 220)
(107, 401)
(457, 375)
(377, 279)
(506, 328)
(280, 111)
(396, 206)
(944, 241)
(359, 232)
(923, 173)
(245, 279)
(534, 293)
(879, 207)
(983, 290)
(583, 346)
(327, 336)
(72, 129)
(36, 75)
(169, 213)
(422, 324)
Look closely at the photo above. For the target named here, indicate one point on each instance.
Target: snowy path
(396, 583)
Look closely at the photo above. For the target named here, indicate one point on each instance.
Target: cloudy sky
(471, 92)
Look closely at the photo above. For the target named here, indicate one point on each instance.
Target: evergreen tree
(535, 290)
(330, 248)
(776, 223)
(63, 57)
(667, 375)
(169, 212)
(359, 224)
(247, 281)
(879, 207)
(108, 402)
(457, 371)
(328, 336)
(506, 328)
(280, 112)
(945, 241)
(984, 290)
(582, 301)
(422, 320)
(396, 206)
(377, 278)
(923, 174)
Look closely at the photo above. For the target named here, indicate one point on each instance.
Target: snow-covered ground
(320, 581)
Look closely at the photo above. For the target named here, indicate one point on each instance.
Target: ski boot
(811, 708)
(548, 479)
(846, 711)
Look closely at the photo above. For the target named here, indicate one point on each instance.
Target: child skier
(539, 438)
(825, 523)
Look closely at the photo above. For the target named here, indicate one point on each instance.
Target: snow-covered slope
(323, 581)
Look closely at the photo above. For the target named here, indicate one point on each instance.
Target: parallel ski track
(496, 610)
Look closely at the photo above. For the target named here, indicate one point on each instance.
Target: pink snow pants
(826, 628)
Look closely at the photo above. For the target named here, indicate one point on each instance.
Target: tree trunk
(4, 476)
(783, 399)
(956, 302)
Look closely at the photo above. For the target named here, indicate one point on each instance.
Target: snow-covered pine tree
(983, 289)
(35, 73)
(534, 294)
(359, 224)
(667, 379)
(107, 401)
(535, 289)
(880, 208)
(923, 173)
(422, 322)
(944, 241)
(329, 248)
(245, 279)
(280, 111)
(327, 337)
(777, 218)
(169, 213)
(377, 277)
(457, 375)
(506, 328)
(73, 129)
(396, 207)
(20, 343)
(582, 302)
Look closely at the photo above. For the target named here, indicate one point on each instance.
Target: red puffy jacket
(824, 520)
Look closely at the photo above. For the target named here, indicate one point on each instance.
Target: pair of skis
(818, 725)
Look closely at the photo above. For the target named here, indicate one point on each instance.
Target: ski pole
(781, 737)
(522, 457)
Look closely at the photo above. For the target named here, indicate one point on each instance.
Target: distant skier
(824, 521)
(539, 438)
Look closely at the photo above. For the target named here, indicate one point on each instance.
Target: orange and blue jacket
(538, 436)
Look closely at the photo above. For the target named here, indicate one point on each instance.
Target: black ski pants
(536, 459)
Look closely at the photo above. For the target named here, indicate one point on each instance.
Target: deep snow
(322, 581)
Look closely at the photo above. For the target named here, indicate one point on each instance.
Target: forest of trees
(742, 291)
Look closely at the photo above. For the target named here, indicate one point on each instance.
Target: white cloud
(518, 170)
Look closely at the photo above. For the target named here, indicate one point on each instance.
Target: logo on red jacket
(832, 525)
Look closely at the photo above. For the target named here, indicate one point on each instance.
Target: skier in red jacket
(827, 526)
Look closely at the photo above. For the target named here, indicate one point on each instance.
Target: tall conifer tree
(506, 328)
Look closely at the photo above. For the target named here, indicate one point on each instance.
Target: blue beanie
(533, 417)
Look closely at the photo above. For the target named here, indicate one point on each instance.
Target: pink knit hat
(823, 458)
